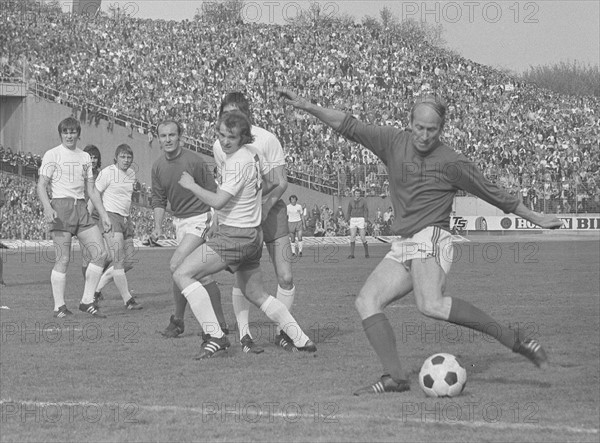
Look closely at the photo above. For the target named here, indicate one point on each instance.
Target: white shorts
(430, 242)
(357, 222)
(196, 225)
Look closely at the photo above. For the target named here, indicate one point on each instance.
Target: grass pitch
(84, 379)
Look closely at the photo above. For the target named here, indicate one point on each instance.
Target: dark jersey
(166, 187)
(357, 208)
(422, 188)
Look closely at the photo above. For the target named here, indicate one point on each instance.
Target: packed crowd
(22, 216)
(533, 141)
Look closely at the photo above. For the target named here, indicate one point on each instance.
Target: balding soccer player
(425, 175)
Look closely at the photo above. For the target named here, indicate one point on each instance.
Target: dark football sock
(215, 298)
(352, 244)
(381, 336)
(366, 246)
(465, 314)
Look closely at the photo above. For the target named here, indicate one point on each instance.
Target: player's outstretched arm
(331, 117)
(545, 221)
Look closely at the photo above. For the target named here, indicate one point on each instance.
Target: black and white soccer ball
(442, 375)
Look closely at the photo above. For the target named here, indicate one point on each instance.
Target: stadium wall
(30, 124)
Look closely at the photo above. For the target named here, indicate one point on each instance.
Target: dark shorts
(239, 248)
(295, 227)
(71, 216)
(276, 224)
(119, 224)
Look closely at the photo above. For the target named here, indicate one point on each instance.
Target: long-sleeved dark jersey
(422, 188)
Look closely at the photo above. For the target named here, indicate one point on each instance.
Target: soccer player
(115, 185)
(295, 214)
(356, 217)
(238, 241)
(274, 223)
(96, 166)
(191, 216)
(66, 169)
(425, 175)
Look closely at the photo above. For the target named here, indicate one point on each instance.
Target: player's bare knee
(365, 304)
(432, 308)
(285, 280)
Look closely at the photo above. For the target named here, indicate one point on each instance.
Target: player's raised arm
(545, 221)
(331, 117)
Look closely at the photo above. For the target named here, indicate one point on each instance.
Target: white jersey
(266, 143)
(68, 170)
(294, 212)
(116, 187)
(240, 175)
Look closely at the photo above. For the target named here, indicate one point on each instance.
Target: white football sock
(121, 284)
(107, 276)
(58, 280)
(201, 306)
(92, 277)
(277, 312)
(286, 296)
(241, 309)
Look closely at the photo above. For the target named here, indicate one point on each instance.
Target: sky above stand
(510, 34)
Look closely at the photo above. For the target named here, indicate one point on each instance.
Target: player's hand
(549, 221)
(290, 98)
(50, 215)
(106, 224)
(187, 181)
(155, 235)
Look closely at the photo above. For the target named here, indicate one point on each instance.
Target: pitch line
(475, 424)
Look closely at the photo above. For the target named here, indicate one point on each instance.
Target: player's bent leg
(252, 286)
(116, 248)
(429, 280)
(286, 291)
(388, 282)
(214, 293)
(188, 244)
(199, 264)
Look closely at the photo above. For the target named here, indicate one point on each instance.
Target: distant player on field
(67, 170)
(274, 223)
(238, 242)
(115, 185)
(296, 223)
(356, 217)
(425, 175)
(191, 216)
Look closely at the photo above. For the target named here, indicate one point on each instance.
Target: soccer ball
(442, 375)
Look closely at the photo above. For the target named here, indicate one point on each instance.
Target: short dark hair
(293, 196)
(93, 150)
(168, 122)
(239, 100)
(69, 123)
(237, 119)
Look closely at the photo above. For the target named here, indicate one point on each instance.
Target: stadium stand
(135, 72)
